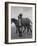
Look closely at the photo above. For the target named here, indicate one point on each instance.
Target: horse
(26, 23)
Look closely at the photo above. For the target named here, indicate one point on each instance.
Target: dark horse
(15, 21)
(26, 22)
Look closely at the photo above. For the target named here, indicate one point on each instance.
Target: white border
(9, 25)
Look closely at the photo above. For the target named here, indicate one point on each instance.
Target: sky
(25, 11)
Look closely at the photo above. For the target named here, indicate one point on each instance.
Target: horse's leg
(20, 32)
(24, 29)
(30, 30)
(27, 29)
(16, 29)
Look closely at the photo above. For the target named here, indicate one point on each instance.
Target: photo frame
(20, 22)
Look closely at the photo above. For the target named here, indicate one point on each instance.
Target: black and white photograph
(21, 22)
